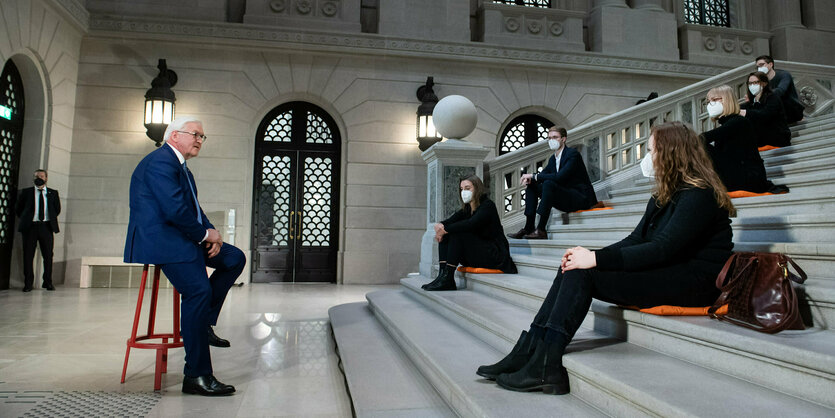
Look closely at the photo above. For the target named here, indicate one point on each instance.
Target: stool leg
(176, 316)
(152, 316)
(132, 338)
(158, 370)
(165, 357)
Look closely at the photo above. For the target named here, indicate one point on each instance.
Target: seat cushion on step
(744, 193)
(669, 310)
(478, 270)
(594, 209)
(767, 148)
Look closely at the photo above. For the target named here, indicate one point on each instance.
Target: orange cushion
(744, 193)
(478, 270)
(767, 148)
(593, 209)
(669, 310)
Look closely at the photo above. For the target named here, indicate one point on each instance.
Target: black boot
(514, 361)
(435, 282)
(445, 281)
(544, 371)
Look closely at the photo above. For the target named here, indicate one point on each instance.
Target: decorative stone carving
(329, 9)
(746, 48)
(729, 45)
(277, 6)
(511, 24)
(710, 44)
(556, 29)
(808, 96)
(534, 27)
(304, 6)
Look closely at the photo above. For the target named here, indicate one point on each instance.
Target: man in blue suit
(168, 228)
(563, 184)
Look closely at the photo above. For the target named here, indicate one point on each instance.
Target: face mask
(646, 166)
(763, 70)
(466, 196)
(39, 181)
(714, 109)
(754, 89)
(553, 144)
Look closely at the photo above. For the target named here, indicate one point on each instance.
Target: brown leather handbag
(758, 291)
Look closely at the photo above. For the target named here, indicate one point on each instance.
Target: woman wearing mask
(473, 237)
(765, 110)
(671, 258)
(733, 146)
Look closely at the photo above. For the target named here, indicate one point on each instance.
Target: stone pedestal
(615, 29)
(447, 162)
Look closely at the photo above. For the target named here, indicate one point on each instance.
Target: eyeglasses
(202, 137)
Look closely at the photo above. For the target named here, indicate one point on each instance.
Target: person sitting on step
(472, 236)
(671, 258)
(782, 84)
(765, 110)
(733, 145)
(564, 184)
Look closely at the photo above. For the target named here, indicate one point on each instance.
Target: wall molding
(76, 11)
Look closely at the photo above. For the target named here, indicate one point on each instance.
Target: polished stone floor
(70, 344)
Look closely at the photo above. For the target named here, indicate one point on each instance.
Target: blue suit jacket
(163, 225)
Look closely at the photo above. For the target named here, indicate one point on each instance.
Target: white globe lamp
(455, 117)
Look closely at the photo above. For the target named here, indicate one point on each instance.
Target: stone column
(784, 13)
(608, 3)
(446, 162)
(647, 4)
(647, 31)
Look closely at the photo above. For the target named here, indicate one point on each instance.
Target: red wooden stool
(139, 342)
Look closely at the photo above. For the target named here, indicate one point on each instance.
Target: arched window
(707, 12)
(523, 130)
(527, 3)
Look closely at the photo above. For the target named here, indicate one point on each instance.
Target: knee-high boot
(512, 362)
(544, 371)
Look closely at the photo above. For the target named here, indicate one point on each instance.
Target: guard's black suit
(568, 189)
(37, 233)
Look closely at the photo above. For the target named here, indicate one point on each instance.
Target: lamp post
(159, 103)
(427, 135)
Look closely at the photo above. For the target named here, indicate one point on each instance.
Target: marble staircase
(622, 362)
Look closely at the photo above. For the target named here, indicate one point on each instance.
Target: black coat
(691, 230)
(783, 86)
(572, 174)
(769, 120)
(484, 222)
(733, 148)
(25, 209)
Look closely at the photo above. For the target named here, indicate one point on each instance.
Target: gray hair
(178, 123)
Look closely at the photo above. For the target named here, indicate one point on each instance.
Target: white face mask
(715, 109)
(763, 69)
(646, 166)
(754, 89)
(553, 144)
(467, 196)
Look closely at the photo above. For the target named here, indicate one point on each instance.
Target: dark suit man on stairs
(563, 184)
(38, 209)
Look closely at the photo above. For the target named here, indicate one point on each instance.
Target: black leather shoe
(538, 234)
(514, 361)
(216, 341)
(520, 234)
(27, 289)
(48, 286)
(434, 282)
(445, 281)
(206, 386)
(544, 371)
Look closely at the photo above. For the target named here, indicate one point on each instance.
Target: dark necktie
(41, 205)
(193, 194)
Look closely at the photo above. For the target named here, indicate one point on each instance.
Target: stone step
(381, 380)
(621, 378)
(812, 124)
(448, 357)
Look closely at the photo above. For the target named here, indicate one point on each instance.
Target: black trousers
(549, 195)
(40, 234)
(570, 296)
(468, 249)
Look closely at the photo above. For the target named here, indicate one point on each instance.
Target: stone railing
(613, 146)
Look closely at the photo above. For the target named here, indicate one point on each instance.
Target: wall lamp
(159, 103)
(427, 135)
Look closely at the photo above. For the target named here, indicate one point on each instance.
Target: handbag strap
(797, 268)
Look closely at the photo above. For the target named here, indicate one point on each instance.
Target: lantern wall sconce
(427, 135)
(159, 103)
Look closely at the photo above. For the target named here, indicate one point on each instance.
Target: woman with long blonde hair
(733, 145)
(671, 258)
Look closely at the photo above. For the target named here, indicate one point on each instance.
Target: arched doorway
(296, 195)
(523, 131)
(11, 132)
